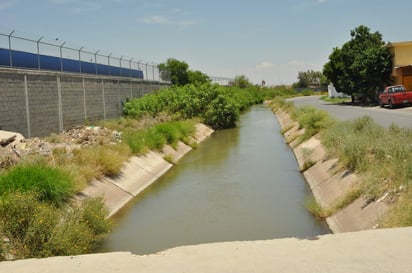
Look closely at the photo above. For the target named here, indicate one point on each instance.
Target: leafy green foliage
(50, 184)
(179, 74)
(241, 82)
(310, 78)
(362, 66)
(219, 106)
(175, 70)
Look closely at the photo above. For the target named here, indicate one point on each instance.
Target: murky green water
(240, 184)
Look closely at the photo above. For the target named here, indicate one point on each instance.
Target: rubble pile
(13, 146)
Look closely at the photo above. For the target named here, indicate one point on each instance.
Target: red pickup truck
(395, 95)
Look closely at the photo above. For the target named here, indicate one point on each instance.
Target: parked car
(395, 95)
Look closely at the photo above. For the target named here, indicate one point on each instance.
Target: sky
(270, 40)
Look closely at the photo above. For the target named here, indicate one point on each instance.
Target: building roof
(396, 44)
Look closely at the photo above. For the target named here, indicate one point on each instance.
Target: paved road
(383, 116)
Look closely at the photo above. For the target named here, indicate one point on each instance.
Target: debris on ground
(13, 146)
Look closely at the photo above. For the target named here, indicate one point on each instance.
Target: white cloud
(265, 65)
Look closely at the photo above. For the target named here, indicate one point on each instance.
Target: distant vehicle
(395, 95)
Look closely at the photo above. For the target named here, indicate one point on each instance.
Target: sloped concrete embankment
(139, 173)
(330, 184)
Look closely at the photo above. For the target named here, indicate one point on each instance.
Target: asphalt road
(401, 116)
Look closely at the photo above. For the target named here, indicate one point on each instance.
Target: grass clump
(31, 228)
(315, 208)
(50, 184)
(157, 136)
(312, 119)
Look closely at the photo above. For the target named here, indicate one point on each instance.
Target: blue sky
(267, 40)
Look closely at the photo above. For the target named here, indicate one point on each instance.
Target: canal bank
(329, 183)
(138, 173)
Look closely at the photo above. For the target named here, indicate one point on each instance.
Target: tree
(197, 77)
(362, 66)
(310, 78)
(176, 70)
(179, 74)
(241, 81)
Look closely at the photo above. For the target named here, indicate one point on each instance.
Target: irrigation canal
(240, 184)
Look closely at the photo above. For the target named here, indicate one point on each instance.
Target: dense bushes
(37, 218)
(32, 228)
(218, 106)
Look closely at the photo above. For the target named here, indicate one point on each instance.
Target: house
(402, 63)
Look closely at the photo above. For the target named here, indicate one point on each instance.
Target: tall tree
(241, 81)
(176, 70)
(197, 77)
(310, 78)
(362, 66)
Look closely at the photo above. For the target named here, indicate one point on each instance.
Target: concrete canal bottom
(241, 184)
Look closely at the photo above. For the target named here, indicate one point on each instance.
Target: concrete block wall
(13, 114)
(38, 103)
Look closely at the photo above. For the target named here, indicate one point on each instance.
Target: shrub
(37, 229)
(219, 106)
(221, 113)
(53, 185)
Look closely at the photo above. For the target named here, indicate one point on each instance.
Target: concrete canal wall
(139, 173)
(330, 184)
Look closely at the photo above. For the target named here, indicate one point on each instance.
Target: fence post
(95, 60)
(61, 56)
(11, 55)
(80, 60)
(38, 52)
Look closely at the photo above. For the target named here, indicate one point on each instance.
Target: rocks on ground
(14, 147)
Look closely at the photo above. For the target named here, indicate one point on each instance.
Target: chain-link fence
(22, 50)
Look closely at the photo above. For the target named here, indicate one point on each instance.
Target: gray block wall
(38, 103)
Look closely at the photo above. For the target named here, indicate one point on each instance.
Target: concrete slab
(311, 149)
(202, 132)
(178, 153)
(8, 134)
(372, 251)
(133, 178)
(114, 197)
(153, 163)
(357, 216)
(328, 187)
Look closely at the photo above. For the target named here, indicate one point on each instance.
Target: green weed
(50, 184)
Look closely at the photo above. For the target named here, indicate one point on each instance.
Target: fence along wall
(38, 103)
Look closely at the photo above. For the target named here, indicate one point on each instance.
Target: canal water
(240, 184)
